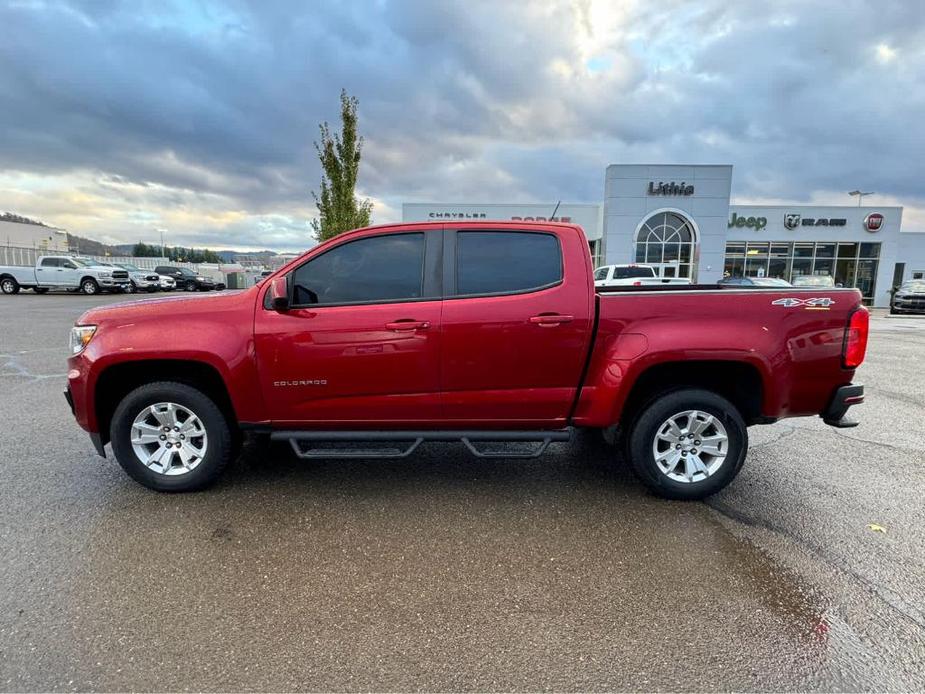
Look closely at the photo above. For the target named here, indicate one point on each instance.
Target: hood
(137, 310)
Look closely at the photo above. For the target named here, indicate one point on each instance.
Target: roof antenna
(553, 215)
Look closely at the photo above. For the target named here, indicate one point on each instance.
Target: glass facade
(851, 264)
(666, 242)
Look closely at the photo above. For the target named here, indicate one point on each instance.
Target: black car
(186, 278)
(909, 297)
(753, 282)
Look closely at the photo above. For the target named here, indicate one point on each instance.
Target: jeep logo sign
(756, 223)
(873, 222)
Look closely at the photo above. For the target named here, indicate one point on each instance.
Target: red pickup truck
(486, 333)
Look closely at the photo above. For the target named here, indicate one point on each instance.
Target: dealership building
(679, 219)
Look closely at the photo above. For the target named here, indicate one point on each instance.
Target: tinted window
(50, 262)
(624, 273)
(378, 268)
(490, 262)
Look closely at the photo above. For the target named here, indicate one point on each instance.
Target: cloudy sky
(121, 118)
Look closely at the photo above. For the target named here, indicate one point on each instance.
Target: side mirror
(279, 294)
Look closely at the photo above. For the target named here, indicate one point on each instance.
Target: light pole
(860, 195)
(163, 250)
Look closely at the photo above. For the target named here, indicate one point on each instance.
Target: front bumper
(95, 438)
(843, 398)
(909, 305)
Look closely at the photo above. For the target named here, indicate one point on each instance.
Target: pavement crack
(11, 367)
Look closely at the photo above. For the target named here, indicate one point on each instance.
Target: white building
(41, 238)
(679, 219)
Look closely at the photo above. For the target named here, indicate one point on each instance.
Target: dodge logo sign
(873, 221)
(791, 221)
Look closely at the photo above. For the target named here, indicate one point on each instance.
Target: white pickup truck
(63, 272)
(632, 276)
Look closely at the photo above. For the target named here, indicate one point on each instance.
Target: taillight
(856, 339)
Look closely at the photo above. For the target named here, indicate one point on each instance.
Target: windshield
(916, 286)
(186, 272)
(623, 273)
(770, 282)
(128, 266)
(813, 281)
(80, 262)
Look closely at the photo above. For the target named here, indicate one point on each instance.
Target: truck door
(516, 325)
(359, 345)
(69, 273)
(48, 272)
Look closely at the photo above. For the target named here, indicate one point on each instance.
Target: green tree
(339, 209)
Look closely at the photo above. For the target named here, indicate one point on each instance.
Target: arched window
(666, 241)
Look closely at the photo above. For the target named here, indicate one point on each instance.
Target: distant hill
(19, 219)
(86, 246)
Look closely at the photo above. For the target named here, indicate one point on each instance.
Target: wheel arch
(118, 380)
(740, 382)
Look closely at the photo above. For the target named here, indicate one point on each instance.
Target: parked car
(813, 281)
(632, 276)
(909, 298)
(63, 272)
(477, 332)
(166, 283)
(146, 280)
(754, 282)
(186, 278)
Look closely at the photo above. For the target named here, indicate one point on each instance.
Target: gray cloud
(120, 117)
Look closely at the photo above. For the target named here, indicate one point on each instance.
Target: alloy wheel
(169, 439)
(690, 446)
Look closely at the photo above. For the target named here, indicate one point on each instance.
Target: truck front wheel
(688, 444)
(170, 437)
(89, 286)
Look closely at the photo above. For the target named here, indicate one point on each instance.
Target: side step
(301, 442)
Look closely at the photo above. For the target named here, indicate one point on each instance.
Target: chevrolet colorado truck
(485, 333)
(63, 272)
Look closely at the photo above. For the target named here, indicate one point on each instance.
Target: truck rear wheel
(688, 444)
(170, 437)
(9, 285)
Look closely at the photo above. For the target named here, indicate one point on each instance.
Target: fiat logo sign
(873, 221)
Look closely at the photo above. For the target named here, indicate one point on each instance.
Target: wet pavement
(447, 572)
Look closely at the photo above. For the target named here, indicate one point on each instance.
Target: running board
(413, 439)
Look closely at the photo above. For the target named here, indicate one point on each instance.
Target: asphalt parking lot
(445, 572)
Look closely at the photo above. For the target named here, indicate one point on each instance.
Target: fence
(15, 255)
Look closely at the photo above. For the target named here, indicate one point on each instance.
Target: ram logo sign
(815, 302)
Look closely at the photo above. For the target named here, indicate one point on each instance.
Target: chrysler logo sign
(873, 222)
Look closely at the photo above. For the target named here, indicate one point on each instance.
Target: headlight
(200, 279)
(105, 274)
(80, 337)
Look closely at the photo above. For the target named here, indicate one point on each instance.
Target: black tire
(130, 288)
(40, 290)
(218, 450)
(89, 286)
(9, 285)
(191, 286)
(893, 311)
(656, 413)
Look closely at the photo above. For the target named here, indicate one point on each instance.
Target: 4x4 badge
(790, 302)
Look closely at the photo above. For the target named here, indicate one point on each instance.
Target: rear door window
(506, 262)
(624, 273)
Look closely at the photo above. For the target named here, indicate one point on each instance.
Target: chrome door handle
(407, 324)
(549, 320)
